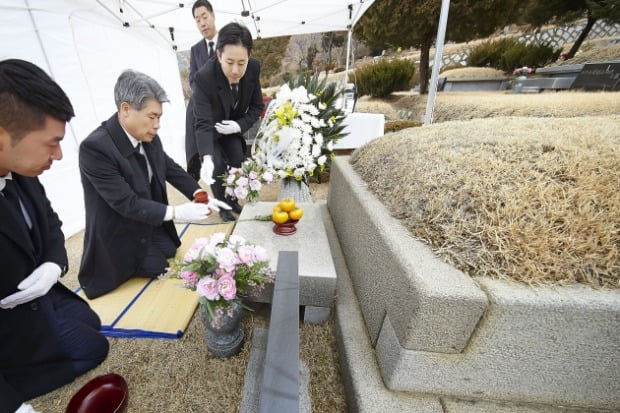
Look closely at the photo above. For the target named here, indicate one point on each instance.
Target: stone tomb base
(317, 274)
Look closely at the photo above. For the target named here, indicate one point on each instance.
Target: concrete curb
(548, 346)
(397, 277)
(362, 380)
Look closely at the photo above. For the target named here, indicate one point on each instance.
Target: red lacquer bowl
(288, 228)
(201, 197)
(103, 394)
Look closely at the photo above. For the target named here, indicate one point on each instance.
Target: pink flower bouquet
(222, 269)
(245, 183)
(523, 71)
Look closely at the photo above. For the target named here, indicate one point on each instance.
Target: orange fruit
(276, 208)
(287, 204)
(279, 217)
(296, 214)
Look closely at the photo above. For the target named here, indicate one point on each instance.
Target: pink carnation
(260, 254)
(241, 192)
(190, 278)
(242, 182)
(208, 287)
(226, 258)
(227, 287)
(246, 254)
(255, 185)
(196, 251)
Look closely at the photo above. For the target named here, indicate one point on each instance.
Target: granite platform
(317, 274)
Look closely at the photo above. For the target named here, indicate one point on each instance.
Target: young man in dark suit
(228, 101)
(199, 54)
(48, 335)
(124, 169)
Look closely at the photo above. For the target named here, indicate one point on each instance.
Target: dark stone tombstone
(598, 76)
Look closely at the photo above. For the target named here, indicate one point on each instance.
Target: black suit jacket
(120, 214)
(213, 103)
(31, 360)
(199, 54)
(198, 57)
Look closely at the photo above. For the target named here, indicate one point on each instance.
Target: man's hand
(34, 286)
(215, 204)
(26, 408)
(227, 127)
(206, 171)
(191, 211)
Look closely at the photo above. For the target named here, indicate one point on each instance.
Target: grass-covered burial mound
(530, 199)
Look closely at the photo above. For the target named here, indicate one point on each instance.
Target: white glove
(228, 127)
(191, 211)
(215, 204)
(34, 286)
(206, 171)
(26, 408)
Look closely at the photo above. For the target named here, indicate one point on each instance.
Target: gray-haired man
(124, 170)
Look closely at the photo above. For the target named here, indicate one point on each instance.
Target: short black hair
(27, 96)
(202, 3)
(235, 34)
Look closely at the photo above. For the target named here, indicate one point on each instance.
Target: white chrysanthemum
(316, 151)
(322, 159)
(300, 94)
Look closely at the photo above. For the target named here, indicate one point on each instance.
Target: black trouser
(193, 162)
(193, 167)
(77, 327)
(229, 151)
(157, 253)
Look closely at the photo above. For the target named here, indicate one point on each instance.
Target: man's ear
(123, 110)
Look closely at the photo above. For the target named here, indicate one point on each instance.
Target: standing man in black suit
(48, 335)
(228, 100)
(199, 54)
(124, 170)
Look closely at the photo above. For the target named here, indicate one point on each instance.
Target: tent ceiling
(264, 18)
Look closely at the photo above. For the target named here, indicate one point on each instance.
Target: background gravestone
(598, 76)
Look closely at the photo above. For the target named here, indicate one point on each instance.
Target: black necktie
(211, 51)
(156, 191)
(235, 93)
(142, 161)
(10, 194)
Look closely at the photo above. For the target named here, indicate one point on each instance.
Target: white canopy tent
(85, 44)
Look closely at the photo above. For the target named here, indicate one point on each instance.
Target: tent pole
(346, 71)
(36, 30)
(47, 61)
(441, 34)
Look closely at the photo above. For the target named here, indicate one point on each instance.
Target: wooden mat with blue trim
(153, 308)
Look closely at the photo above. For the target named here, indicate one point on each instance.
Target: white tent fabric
(84, 45)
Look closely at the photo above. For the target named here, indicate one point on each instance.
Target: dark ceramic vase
(224, 335)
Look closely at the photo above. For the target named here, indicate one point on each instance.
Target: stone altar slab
(317, 273)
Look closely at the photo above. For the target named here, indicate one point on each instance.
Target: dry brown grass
(530, 199)
(593, 55)
(451, 106)
(472, 72)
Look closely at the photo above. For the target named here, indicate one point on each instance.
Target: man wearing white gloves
(124, 169)
(48, 335)
(227, 102)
